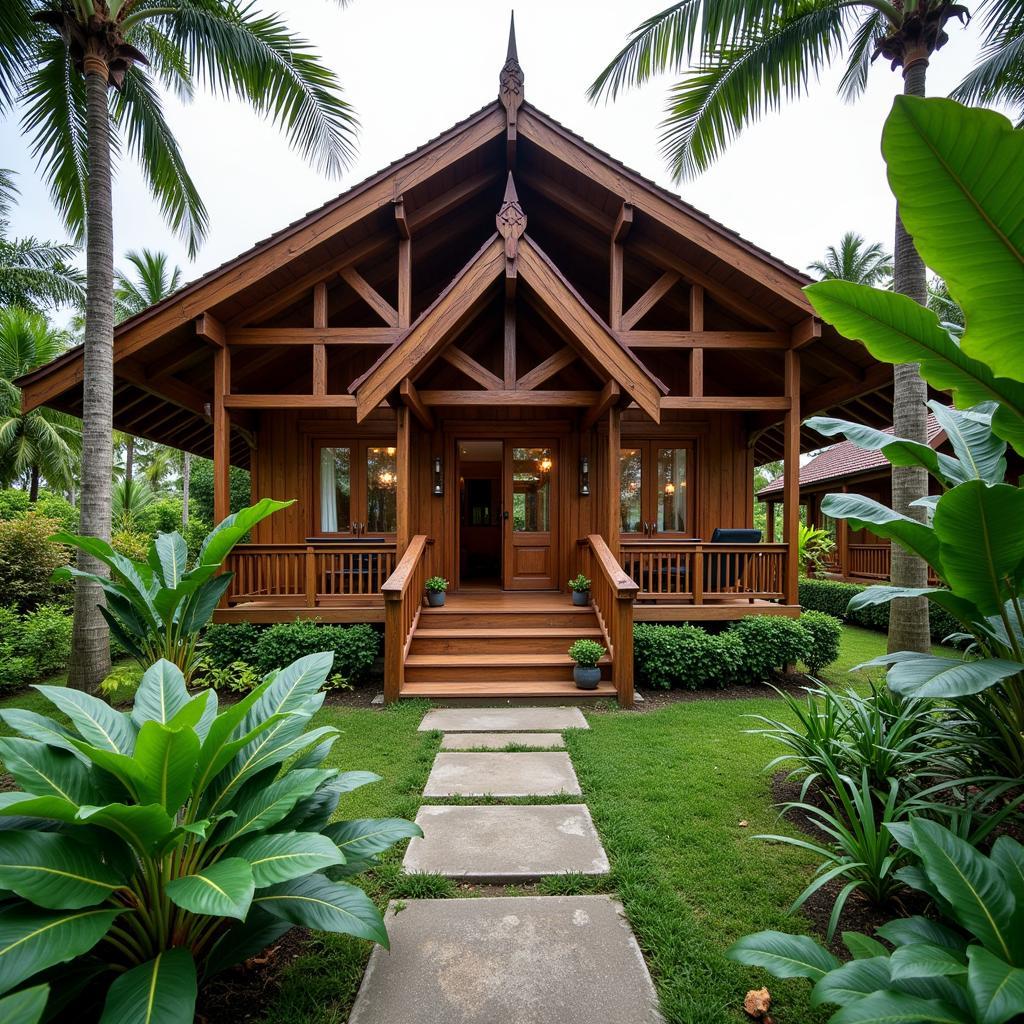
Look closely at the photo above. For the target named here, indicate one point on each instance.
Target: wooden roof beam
(259, 337)
(562, 399)
(755, 340)
(623, 223)
(548, 368)
(649, 300)
(808, 330)
(414, 403)
(466, 364)
(877, 376)
(211, 330)
(611, 395)
(370, 295)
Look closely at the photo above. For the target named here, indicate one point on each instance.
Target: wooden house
(506, 358)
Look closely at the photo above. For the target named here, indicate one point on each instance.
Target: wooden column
(404, 264)
(696, 354)
(221, 435)
(623, 223)
(769, 521)
(791, 470)
(320, 351)
(403, 485)
(509, 363)
(611, 529)
(843, 543)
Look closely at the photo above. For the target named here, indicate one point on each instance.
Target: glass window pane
(335, 490)
(630, 490)
(381, 490)
(531, 489)
(671, 490)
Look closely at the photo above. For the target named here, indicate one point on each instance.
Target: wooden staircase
(497, 645)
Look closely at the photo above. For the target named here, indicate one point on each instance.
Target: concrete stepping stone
(525, 960)
(506, 844)
(500, 740)
(503, 720)
(501, 774)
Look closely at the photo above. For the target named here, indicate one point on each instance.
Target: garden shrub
(133, 543)
(200, 491)
(34, 645)
(13, 501)
(56, 506)
(826, 632)
(160, 516)
(28, 559)
(228, 642)
(685, 656)
(354, 647)
(832, 596)
(770, 642)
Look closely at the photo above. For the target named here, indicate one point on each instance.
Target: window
(531, 489)
(358, 488)
(653, 491)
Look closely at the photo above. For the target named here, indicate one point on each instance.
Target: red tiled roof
(844, 460)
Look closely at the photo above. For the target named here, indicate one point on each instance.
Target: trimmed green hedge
(832, 597)
(266, 648)
(749, 651)
(33, 645)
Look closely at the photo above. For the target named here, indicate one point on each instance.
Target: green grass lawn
(667, 789)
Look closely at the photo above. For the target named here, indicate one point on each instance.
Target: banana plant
(948, 168)
(156, 609)
(156, 847)
(966, 967)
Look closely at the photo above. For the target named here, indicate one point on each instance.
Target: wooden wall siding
(282, 468)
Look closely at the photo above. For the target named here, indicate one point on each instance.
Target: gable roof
(844, 460)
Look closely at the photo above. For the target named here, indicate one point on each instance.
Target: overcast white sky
(793, 183)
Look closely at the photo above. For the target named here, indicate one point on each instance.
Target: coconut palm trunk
(908, 618)
(90, 661)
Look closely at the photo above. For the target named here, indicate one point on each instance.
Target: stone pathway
(513, 959)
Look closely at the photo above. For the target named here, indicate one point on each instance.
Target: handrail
(403, 598)
(612, 593)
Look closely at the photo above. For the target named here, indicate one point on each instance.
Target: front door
(529, 520)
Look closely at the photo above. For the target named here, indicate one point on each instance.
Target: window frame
(358, 489)
(648, 448)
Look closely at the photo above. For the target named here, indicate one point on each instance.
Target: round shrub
(355, 647)
(225, 643)
(770, 642)
(46, 638)
(56, 506)
(826, 632)
(685, 656)
(160, 516)
(13, 501)
(27, 561)
(132, 543)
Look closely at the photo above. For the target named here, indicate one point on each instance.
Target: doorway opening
(480, 509)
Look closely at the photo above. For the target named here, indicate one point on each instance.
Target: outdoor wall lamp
(585, 476)
(438, 477)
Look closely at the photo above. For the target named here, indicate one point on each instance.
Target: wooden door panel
(530, 519)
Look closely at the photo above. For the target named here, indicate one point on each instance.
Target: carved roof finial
(510, 81)
(511, 221)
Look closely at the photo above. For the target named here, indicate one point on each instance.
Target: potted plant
(586, 654)
(435, 587)
(580, 587)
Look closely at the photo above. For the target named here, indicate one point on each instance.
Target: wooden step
(552, 640)
(453, 668)
(477, 689)
(507, 618)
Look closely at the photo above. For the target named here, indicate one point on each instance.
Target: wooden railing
(697, 572)
(869, 561)
(403, 599)
(612, 593)
(308, 574)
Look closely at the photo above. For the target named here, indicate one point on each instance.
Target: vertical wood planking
(697, 354)
(320, 351)
(404, 282)
(611, 523)
(221, 435)
(404, 483)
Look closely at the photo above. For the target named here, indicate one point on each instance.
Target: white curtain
(328, 492)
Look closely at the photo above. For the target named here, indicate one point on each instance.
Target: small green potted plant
(586, 654)
(580, 587)
(435, 588)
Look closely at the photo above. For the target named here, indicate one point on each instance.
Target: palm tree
(855, 261)
(750, 55)
(34, 273)
(42, 443)
(151, 283)
(998, 77)
(87, 75)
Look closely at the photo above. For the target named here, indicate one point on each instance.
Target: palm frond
(38, 273)
(55, 120)
(998, 77)
(152, 281)
(167, 60)
(737, 85)
(16, 34)
(137, 111)
(239, 52)
(8, 194)
(858, 65)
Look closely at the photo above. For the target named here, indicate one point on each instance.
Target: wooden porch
(487, 643)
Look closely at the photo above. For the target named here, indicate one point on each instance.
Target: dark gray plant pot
(581, 597)
(586, 677)
(435, 598)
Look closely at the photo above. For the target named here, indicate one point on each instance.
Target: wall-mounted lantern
(438, 477)
(585, 476)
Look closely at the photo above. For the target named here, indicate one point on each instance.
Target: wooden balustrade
(698, 573)
(869, 561)
(612, 593)
(308, 574)
(403, 599)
